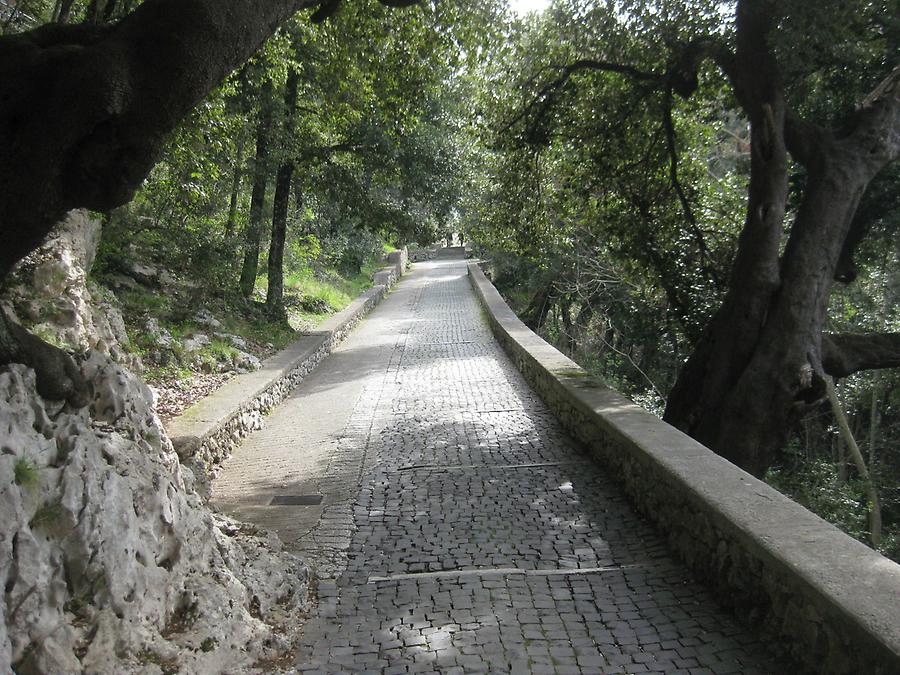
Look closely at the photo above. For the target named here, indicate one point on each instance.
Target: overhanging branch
(544, 99)
(687, 210)
(328, 8)
(845, 354)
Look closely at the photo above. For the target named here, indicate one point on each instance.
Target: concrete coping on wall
(207, 416)
(853, 588)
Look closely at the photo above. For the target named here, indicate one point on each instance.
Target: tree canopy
(697, 199)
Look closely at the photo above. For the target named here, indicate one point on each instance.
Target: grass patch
(222, 350)
(316, 296)
(169, 373)
(311, 296)
(47, 514)
(47, 335)
(25, 473)
(331, 293)
(145, 301)
(257, 329)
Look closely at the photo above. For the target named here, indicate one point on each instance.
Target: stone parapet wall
(422, 254)
(399, 260)
(207, 432)
(385, 277)
(823, 598)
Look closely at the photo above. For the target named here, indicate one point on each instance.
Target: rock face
(50, 293)
(110, 561)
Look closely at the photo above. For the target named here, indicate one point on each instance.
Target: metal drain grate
(296, 500)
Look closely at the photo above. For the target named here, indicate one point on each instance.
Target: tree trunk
(840, 459)
(298, 202)
(539, 306)
(236, 179)
(750, 395)
(110, 10)
(874, 418)
(696, 401)
(275, 290)
(94, 11)
(565, 308)
(85, 110)
(62, 11)
(253, 231)
(759, 365)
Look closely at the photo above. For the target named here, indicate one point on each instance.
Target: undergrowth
(312, 295)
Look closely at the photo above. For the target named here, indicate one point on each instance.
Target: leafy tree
(87, 111)
(602, 136)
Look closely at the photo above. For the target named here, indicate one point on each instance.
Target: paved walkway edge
(206, 433)
(824, 597)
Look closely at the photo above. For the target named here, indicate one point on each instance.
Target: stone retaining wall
(206, 433)
(422, 254)
(830, 602)
(399, 260)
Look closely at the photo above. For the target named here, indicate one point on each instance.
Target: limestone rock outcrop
(50, 293)
(110, 561)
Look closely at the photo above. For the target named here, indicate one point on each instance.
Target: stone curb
(205, 434)
(828, 600)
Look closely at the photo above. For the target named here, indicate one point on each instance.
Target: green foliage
(621, 260)
(47, 515)
(25, 473)
(374, 148)
(303, 252)
(816, 485)
(575, 183)
(216, 355)
(221, 350)
(315, 294)
(46, 334)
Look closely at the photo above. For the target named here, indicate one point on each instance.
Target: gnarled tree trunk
(761, 362)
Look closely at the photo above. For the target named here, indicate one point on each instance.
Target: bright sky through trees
(522, 7)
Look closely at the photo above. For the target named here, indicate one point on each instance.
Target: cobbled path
(473, 535)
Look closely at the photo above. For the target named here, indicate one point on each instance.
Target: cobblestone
(474, 535)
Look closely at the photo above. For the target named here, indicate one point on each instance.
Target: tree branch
(86, 110)
(544, 99)
(878, 122)
(802, 138)
(609, 66)
(844, 354)
(671, 146)
(328, 8)
(872, 492)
